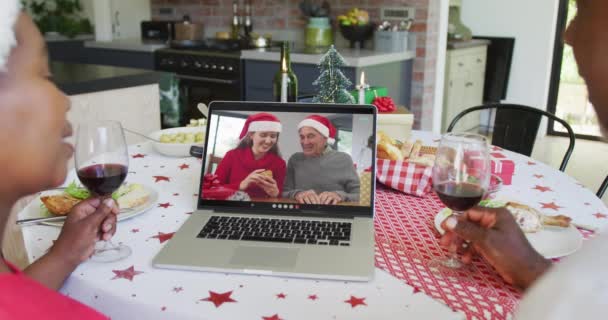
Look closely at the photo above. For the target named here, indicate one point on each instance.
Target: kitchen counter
(467, 44)
(353, 57)
(126, 45)
(74, 78)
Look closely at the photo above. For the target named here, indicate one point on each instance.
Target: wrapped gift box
(397, 125)
(502, 167)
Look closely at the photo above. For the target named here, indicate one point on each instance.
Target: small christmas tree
(332, 83)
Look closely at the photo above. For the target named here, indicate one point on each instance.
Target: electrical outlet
(397, 13)
(166, 11)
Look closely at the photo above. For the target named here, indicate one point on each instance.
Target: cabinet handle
(460, 64)
(469, 84)
(479, 60)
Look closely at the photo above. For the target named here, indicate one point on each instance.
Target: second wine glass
(102, 163)
(461, 175)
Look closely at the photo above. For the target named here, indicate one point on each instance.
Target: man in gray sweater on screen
(319, 174)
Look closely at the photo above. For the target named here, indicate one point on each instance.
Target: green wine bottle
(285, 83)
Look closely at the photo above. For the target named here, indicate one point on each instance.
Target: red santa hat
(321, 124)
(261, 122)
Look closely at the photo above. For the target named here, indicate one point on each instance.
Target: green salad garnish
(78, 192)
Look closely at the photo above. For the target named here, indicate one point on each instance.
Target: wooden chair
(516, 126)
(213, 163)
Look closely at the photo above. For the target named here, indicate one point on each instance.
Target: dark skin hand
(496, 236)
(89, 221)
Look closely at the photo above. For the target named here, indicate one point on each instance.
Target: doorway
(568, 95)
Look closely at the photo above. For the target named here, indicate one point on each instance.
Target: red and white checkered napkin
(404, 176)
(407, 245)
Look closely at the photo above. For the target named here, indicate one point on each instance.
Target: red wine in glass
(461, 175)
(102, 162)
(459, 196)
(103, 179)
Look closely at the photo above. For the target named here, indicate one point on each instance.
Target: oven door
(199, 89)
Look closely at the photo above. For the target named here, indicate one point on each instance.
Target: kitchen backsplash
(285, 16)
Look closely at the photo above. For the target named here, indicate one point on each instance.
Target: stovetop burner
(210, 45)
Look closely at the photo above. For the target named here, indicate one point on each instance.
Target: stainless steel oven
(203, 76)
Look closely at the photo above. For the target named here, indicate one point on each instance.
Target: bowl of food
(176, 142)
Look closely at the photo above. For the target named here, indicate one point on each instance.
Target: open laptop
(242, 233)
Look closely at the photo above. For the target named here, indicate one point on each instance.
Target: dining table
(406, 284)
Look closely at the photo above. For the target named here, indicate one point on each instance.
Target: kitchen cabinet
(464, 83)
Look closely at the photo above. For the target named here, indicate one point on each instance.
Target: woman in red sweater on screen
(255, 165)
(34, 157)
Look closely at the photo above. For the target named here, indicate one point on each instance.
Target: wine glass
(102, 163)
(461, 175)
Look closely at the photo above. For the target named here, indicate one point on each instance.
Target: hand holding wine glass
(102, 164)
(461, 175)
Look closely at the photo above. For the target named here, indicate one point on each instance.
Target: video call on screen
(291, 161)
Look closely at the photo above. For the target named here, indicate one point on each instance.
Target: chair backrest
(213, 163)
(516, 126)
(602, 189)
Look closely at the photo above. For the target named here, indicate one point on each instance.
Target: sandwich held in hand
(127, 196)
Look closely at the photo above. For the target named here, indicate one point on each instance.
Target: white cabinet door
(455, 98)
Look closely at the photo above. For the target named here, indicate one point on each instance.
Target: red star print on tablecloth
(530, 163)
(313, 297)
(128, 273)
(178, 289)
(354, 301)
(281, 296)
(161, 178)
(139, 155)
(274, 317)
(219, 298)
(416, 290)
(165, 205)
(551, 205)
(600, 215)
(134, 230)
(542, 189)
(539, 176)
(184, 166)
(162, 237)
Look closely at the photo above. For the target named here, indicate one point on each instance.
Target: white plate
(34, 208)
(551, 242)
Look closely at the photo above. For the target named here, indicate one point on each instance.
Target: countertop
(352, 57)
(74, 78)
(126, 45)
(468, 44)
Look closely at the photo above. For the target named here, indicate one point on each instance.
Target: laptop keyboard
(277, 230)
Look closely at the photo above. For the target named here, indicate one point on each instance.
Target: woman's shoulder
(24, 298)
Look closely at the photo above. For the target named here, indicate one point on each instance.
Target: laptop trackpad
(265, 257)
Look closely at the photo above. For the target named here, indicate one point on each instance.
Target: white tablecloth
(133, 289)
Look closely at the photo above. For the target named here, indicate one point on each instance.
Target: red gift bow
(384, 104)
(211, 181)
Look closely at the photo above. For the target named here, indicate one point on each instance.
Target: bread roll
(416, 149)
(406, 149)
(389, 151)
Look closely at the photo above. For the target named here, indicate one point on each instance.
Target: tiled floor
(588, 164)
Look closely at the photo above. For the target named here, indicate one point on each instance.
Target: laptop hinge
(270, 213)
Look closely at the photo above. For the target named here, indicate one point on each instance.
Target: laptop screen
(292, 158)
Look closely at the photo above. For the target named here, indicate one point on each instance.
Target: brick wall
(285, 15)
